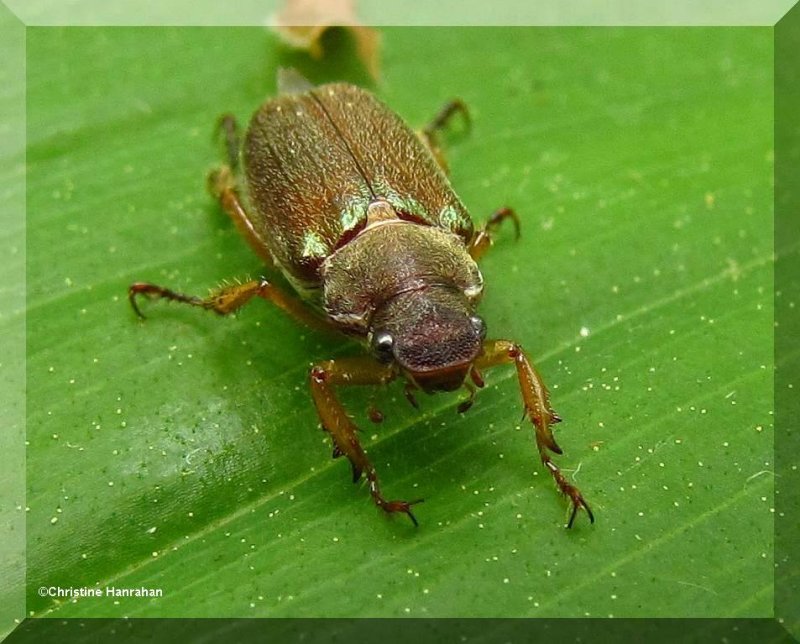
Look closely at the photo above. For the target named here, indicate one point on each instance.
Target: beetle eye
(382, 343)
(479, 325)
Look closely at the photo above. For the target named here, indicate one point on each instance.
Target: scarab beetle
(356, 210)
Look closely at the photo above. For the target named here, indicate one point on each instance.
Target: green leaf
(184, 453)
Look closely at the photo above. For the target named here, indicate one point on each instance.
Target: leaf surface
(184, 453)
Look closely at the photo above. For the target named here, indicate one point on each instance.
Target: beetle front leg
(537, 407)
(483, 238)
(352, 371)
(230, 299)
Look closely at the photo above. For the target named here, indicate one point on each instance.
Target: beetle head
(431, 333)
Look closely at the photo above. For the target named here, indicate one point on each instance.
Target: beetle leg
(444, 115)
(221, 183)
(483, 238)
(476, 377)
(230, 298)
(352, 371)
(409, 394)
(222, 186)
(430, 133)
(537, 408)
(227, 125)
(466, 405)
(375, 414)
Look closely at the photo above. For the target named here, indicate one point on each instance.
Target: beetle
(357, 212)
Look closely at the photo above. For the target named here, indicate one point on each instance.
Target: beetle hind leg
(537, 408)
(353, 371)
(444, 116)
(222, 185)
(229, 128)
(430, 133)
(483, 238)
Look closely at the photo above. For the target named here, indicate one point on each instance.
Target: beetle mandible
(357, 212)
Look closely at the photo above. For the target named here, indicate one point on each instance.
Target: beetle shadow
(340, 60)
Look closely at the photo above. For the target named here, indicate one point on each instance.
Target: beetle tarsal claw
(135, 306)
(578, 503)
(402, 506)
(410, 397)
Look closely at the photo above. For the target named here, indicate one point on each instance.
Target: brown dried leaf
(302, 23)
